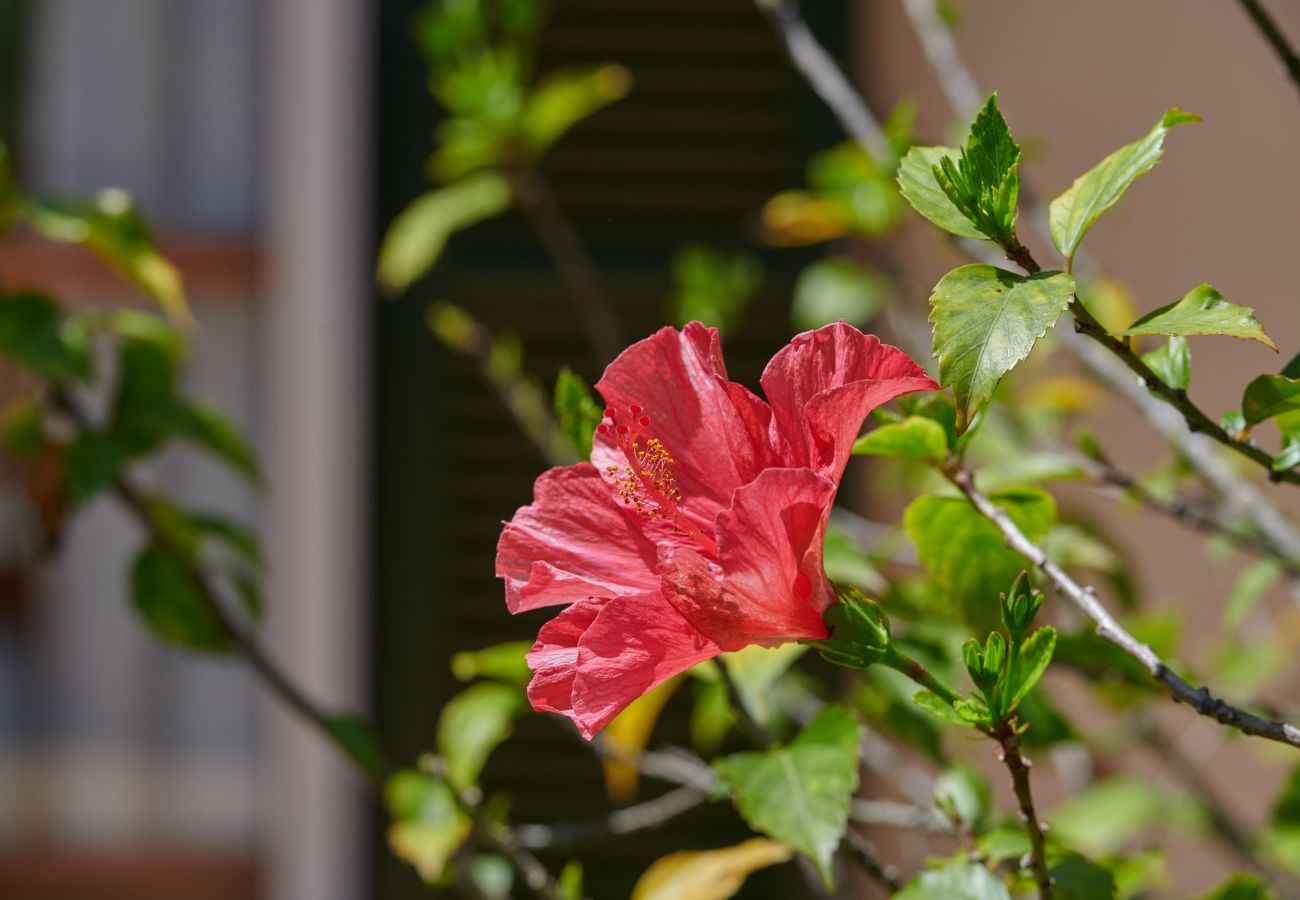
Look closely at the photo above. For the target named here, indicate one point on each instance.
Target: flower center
(647, 482)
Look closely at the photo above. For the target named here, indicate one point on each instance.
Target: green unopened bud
(1019, 607)
(859, 631)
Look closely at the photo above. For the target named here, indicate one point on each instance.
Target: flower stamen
(647, 482)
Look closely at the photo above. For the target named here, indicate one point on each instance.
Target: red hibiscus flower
(697, 526)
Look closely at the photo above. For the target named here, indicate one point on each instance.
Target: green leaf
(965, 554)
(837, 288)
(358, 740)
(110, 227)
(166, 594)
(34, 335)
(1031, 662)
(233, 535)
(1268, 396)
(962, 793)
(964, 881)
(1251, 584)
(471, 726)
(1241, 887)
(713, 286)
(1233, 422)
(92, 461)
(576, 411)
(983, 181)
(1109, 814)
(1172, 363)
(209, 428)
(937, 706)
(1096, 191)
(986, 320)
(1075, 878)
(569, 884)
(756, 670)
(799, 794)
(416, 237)
(1286, 808)
(503, 662)
(913, 438)
(916, 180)
(23, 428)
(1202, 311)
(144, 397)
(428, 826)
(566, 97)
(707, 874)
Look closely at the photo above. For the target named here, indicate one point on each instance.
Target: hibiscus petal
(592, 660)
(635, 645)
(769, 586)
(717, 431)
(574, 541)
(554, 657)
(824, 384)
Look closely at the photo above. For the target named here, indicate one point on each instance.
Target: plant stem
(562, 243)
(533, 872)
(901, 662)
(1004, 732)
(1085, 600)
(1276, 39)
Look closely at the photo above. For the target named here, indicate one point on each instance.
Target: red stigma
(644, 421)
(602, 429)
(622, 429)
(634, 410)
(610, 414)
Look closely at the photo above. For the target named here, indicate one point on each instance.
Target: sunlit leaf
(1268, 396)
(504, 662)
(1075, 211)
(917, 181)
(986, 320)
(1251, 584)
(109, 226)
(755, 670)
(964, 881)
(837, 288)
(799, 794)
(983, 179)
(1202, 311)
(912, 438)
(416, 237)
(1172, 363)
(966, 555)
(708, 874)
(428, 826)
(566, 97)
(473, 724)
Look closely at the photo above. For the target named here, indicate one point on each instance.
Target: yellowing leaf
(708, 874)
(631, 730)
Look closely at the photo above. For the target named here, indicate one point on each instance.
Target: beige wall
(1077, 80)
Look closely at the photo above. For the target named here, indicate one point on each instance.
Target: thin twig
(560, 238)
(1004, 732)
(1192, 515)
(1276, 39)
(1085, 599)
(645, 816)
(863, 852)
(282, 686)
(824, 75)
